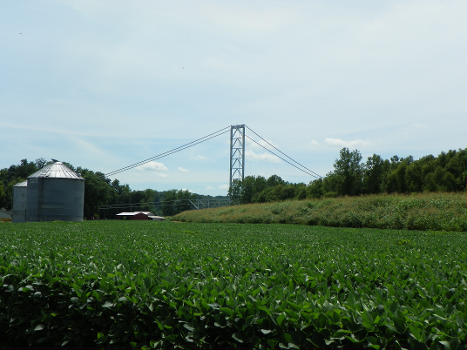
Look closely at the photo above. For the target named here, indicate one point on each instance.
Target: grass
(142, 285)
(425, 211)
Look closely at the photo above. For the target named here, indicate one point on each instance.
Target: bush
(418, 212)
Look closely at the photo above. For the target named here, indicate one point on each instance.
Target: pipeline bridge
(238, 134)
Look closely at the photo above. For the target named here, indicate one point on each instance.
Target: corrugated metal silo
(19, 202)
(55, 193)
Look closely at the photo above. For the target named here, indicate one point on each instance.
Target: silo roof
(56, 170)
(21, 184)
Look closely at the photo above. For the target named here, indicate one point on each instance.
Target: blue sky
(102, 84)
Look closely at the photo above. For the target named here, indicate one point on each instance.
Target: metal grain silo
(55, 193)
(19, 202)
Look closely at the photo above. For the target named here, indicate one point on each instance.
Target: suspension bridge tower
(237, 152)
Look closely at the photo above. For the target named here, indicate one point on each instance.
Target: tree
(457, 166)
(287, 191)
(182, 202)
(315, 189)
(300, 191)
(97, 192)
(260, 185)
(247, 189)
(449, 182)
(273, 193)
(3, 198)
(439, 176)
(331, 184)
(40, 163)
(400, 175)
(235, 191)
(11, 176)
(256, 189)
(25, 169)
(168, 203)
(429, 183)
(414, 177)
(373, 174)
(348, 167)
(274, 180)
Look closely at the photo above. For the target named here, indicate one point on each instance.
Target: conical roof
(56, 170)
(21, 184)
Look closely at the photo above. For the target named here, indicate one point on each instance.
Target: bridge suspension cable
(292, 161)
(277, 152)
(282, 158)
(172, 151)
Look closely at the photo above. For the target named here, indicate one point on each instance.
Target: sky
(103, 84)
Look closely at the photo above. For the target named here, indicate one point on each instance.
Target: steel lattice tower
(237, 152)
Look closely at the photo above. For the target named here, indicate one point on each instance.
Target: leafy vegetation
(210, 286)
(423, 211)
(445, 173)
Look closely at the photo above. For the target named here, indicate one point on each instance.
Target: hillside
(423, 211)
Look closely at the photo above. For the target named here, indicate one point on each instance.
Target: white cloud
(344, 143)
(261, 156)
(153, 166)
(182, 170)
(313, 145)
(200, 157)
(223, 187)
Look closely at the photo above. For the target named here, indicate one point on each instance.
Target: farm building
(19, 202)
(138, 215)
(55, 192)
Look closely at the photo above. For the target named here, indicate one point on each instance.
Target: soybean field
(167, 285)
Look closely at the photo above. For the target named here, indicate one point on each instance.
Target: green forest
(352, 177)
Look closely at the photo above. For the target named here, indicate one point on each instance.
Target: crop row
(168, 285)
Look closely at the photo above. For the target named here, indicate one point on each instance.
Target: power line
(159, 203)
(311, 172)
(172, 151)
(278, 156)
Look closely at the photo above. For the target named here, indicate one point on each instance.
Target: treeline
(352, 177)
(102, 192)
(104, 198)
(13, 175)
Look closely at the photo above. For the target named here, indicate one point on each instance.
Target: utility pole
(237, 152)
